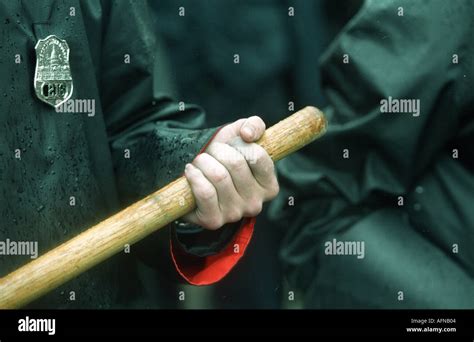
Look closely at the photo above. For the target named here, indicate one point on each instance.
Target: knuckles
(205, 192)
(236, 162)
(254, 207)
(273, 190)
(233, 215)
(218, 174)
(228, 164)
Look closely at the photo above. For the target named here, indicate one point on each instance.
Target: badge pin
(53, 80)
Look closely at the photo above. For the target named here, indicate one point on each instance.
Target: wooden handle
(139, 220)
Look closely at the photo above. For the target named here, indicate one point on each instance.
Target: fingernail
(188, 167)
(249, 131)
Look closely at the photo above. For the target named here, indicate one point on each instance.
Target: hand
(233, 177)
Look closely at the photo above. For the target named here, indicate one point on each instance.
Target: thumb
(252, 129)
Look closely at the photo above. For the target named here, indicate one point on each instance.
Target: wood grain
(138, 220)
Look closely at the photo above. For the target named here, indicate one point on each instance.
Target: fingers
(237, 167)
(229, 131)
(261, 166)
(220, 178)
(252, 129)
(206, 199)
(233, 177)
(217, 200)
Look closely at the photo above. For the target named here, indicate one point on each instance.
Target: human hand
(233, 177)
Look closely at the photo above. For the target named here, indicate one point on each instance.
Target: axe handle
(138, 220)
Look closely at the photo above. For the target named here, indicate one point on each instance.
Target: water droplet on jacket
(41, 207)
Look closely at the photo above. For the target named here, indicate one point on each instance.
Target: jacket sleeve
(152, 137)
(368, 158)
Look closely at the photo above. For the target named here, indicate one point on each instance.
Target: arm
(153, 138)
(405, 57)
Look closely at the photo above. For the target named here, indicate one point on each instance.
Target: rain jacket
(61, 173)
(400, 183)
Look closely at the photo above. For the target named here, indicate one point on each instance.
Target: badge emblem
(53, 80)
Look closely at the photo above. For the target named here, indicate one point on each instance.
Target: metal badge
(53, 80)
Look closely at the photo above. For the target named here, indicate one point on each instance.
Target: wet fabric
(401, 183)
(276, 74)
(277, 53)
(137, 141)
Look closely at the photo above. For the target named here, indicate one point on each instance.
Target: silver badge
(53, 81)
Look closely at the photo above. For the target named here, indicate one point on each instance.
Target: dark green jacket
(67, 154)
(263, 34)
(423, 246)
